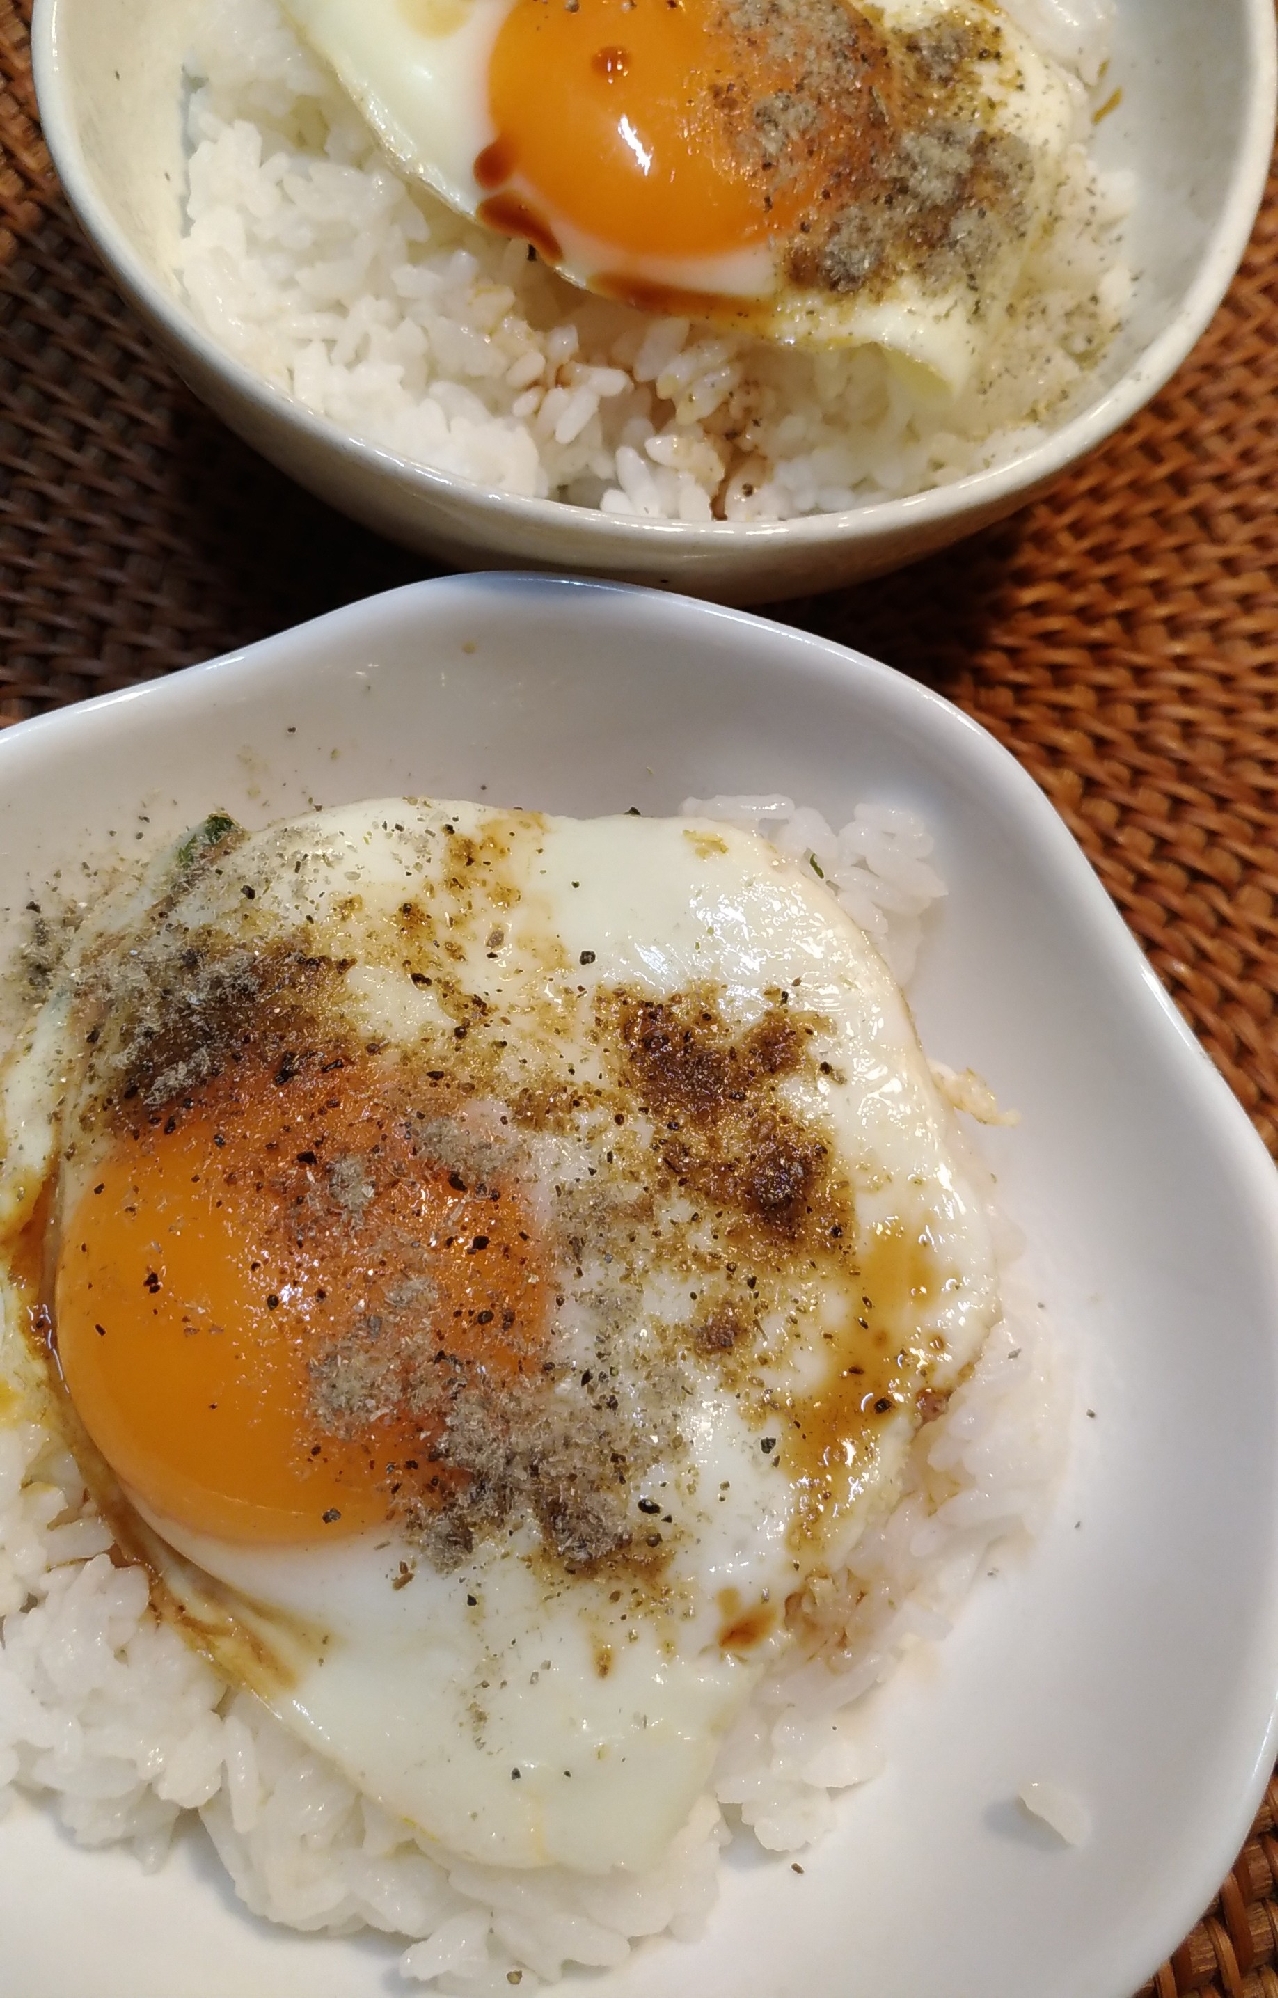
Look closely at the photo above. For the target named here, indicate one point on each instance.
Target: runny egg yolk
(671, 128)
(247, 1290)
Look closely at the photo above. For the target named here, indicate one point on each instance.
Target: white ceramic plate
(1133, 1657)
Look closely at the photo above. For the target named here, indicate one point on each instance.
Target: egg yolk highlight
(666, 128)
(260, 1301)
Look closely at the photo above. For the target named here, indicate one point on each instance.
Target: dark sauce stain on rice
(510, 215)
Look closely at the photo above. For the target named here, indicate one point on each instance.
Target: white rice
(309, 257)
(107, 1714)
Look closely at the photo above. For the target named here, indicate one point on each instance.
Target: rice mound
(106, 1713)
(362, 296)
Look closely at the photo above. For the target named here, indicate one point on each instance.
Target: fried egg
(489, 1266)
(813, 170)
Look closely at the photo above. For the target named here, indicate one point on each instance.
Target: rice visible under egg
(362, 295)
(104, 1706)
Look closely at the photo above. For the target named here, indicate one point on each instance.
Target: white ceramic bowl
(1195, 122)
(1132, 1654)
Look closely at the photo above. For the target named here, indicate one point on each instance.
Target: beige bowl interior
(1195, 123)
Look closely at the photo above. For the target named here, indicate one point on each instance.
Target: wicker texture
(1121, 638)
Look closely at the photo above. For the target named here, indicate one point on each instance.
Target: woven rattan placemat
(1121, 638)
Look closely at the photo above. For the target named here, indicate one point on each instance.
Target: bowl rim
(988, 492)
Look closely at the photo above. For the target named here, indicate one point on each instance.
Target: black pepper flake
(151, 1282)
(331, 1515)
(100, 1330)
(483, 1318)
(472, 1601)
(249, 894)
(768, 1445)
(883, 1404)
(515, 1775)
(633, 812)
(587, 957)
(272, 1302)
(480, 1242)
(457, 1183)
(100, 1188)
(306, 1158)
(649, 1505)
